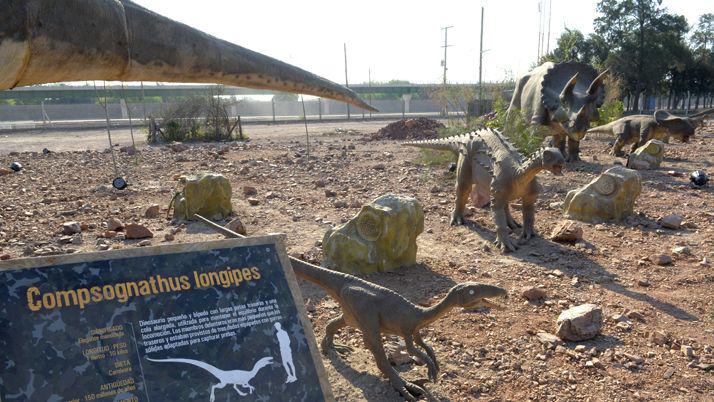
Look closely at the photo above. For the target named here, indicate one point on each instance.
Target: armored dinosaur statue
(488, 161)
(76, 40)
(237, 378)
(558, 100)
(640, 128)
(376, 310)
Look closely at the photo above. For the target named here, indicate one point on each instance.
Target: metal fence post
(272, 104)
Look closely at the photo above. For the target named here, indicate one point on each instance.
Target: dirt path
(96, 140)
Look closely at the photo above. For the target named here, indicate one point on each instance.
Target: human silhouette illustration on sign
(286, 354)
(237, 378)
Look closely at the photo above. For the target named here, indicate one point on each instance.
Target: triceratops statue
(75, 40)
(563, 98)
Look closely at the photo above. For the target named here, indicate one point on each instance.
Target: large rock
(206, 194)
(153, 211)
(70, 228)
(114, 224)
(237, 226)
(579, 323)
(672, 221)
(381, 237)
(136, 231)
(648, 156)
(609, 197)
(567, 232)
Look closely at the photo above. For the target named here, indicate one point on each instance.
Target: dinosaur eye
(471, 292)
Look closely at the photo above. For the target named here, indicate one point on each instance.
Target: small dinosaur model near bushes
(376, 310)
(493, 165)
(640, 128)
(563, 98)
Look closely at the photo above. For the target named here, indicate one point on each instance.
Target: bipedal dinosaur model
(376, 310)
(488, 161)
(77, 40)
(640, 128)
(558, 100)
(237, 378)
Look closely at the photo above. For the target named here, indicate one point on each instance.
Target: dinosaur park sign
(215, 321)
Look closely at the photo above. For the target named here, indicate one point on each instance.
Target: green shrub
(199, 118)
(609, 112)
(519, 133)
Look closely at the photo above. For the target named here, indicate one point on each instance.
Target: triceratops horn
(52, 41)
(568, 90)
(597, 82)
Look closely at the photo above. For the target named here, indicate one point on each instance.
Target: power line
(443, 62)
(480, 70)
(446, 45)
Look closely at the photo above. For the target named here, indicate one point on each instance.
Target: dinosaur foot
(513, 225)
(526, 236)
(505, 244)
(457, 220)
(573, 158)
(411, 391)
(343, 350)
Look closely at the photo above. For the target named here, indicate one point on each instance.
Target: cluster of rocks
(421, 128)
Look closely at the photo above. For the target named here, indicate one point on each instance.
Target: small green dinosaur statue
(376, 310)
(640, 128)
(488, 161)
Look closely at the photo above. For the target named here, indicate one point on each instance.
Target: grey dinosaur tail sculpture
(75, 40)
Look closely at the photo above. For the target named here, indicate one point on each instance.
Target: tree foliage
(648, 48)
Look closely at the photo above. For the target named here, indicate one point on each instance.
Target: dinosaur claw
(343, 349)
(505, 244)
(526, 236)
(411, 391)
(457, 221)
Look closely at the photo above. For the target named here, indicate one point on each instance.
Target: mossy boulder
(206, 194)
(609, 197)
(648, 156)
(381, 237)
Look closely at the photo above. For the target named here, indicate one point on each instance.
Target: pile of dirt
(421, 128)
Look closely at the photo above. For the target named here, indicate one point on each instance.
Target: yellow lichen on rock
(206, 194)
(381, 237)
(648, 156)
(609, 197)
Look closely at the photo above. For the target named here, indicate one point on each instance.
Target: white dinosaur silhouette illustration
(286, 354)
(234, 377)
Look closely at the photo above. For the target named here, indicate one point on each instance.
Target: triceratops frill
(563, 97)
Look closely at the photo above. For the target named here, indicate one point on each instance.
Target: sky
(394, 39)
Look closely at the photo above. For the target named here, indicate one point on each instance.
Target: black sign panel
(219, 321)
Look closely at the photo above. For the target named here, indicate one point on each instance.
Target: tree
(644, 42)
(702, 69)
(703, 38)
(571, 46)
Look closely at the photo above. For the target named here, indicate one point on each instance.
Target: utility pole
(443, 62)
(479, 110)
(540, 28)
(550, 18)
(446, 45)
(347, 83)
(369, 79)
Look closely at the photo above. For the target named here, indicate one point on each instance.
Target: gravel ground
(487, 354)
